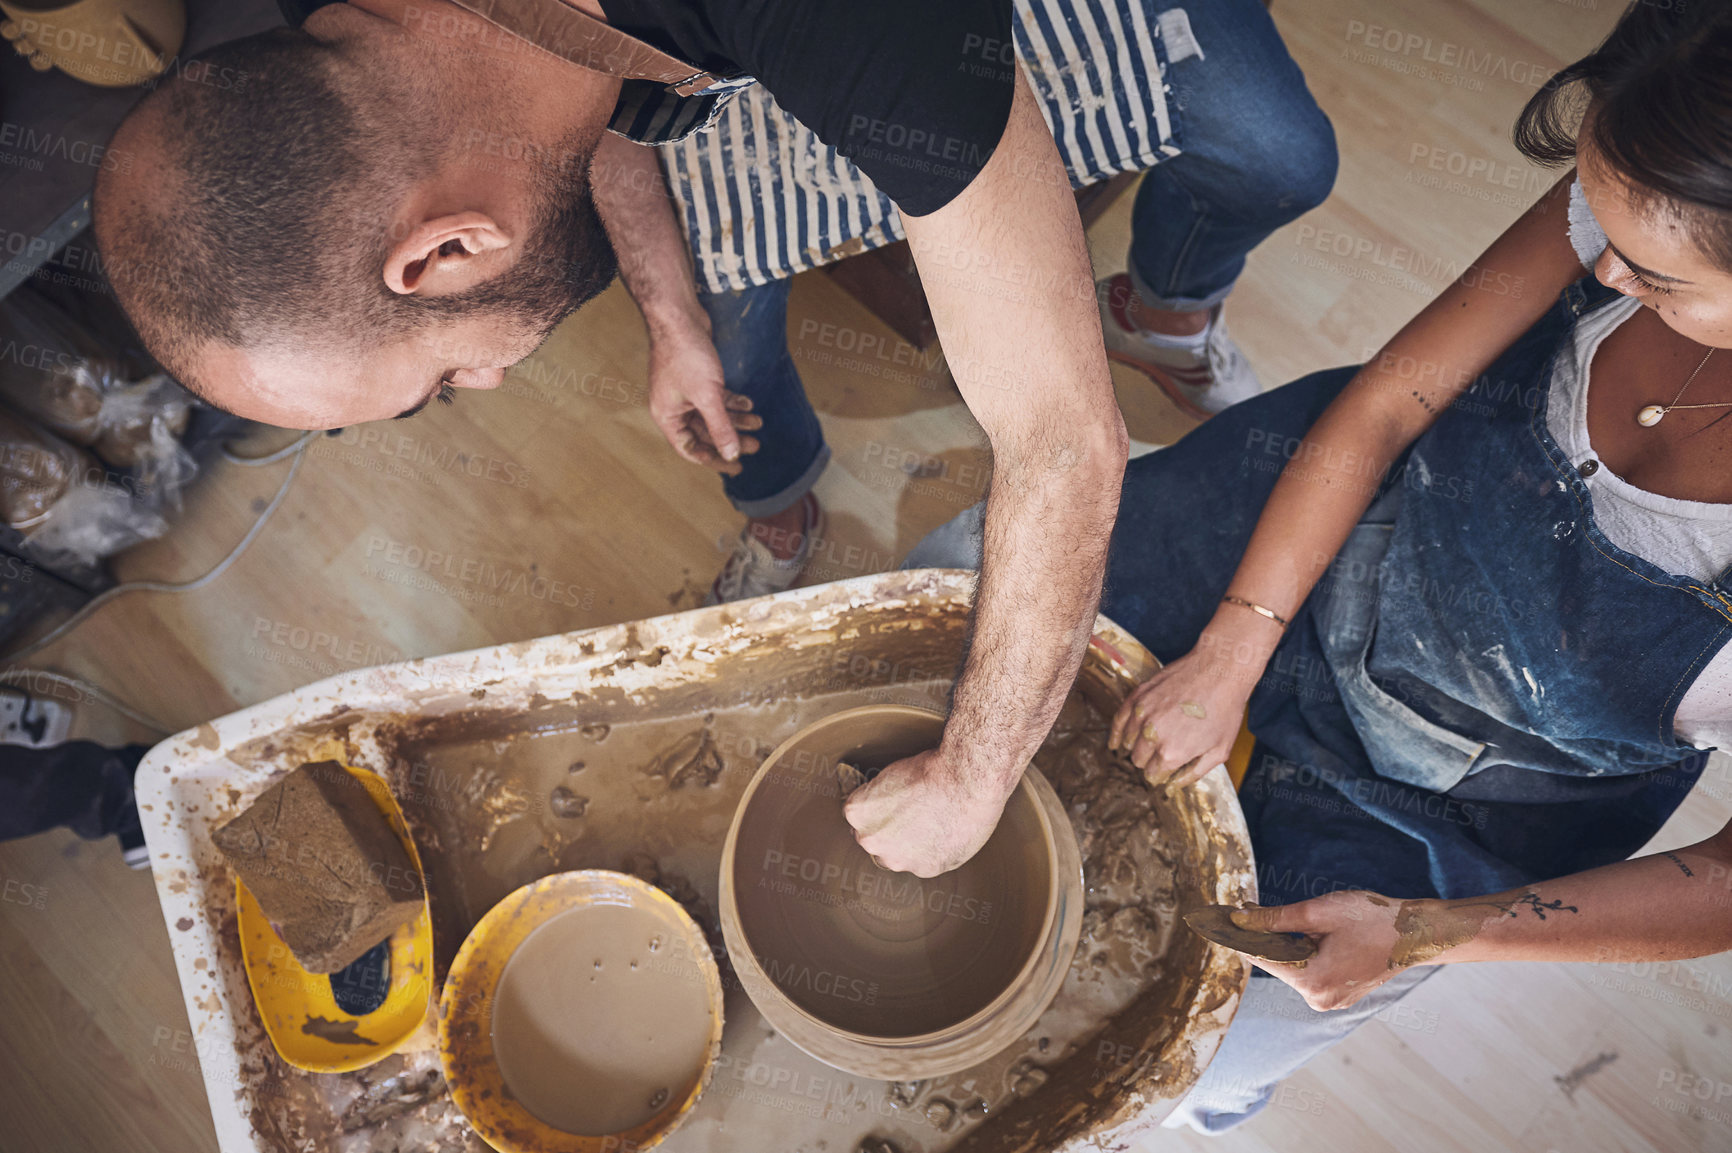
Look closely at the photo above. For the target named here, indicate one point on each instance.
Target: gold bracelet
(1230, 599)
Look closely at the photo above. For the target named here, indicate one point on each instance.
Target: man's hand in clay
(1182, 721)
(701, 419)
(1357, 939)
(921, 816)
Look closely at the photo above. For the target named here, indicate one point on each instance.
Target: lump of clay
(36, 470)
(324, 865)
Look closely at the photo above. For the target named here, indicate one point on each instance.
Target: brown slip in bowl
(487, 1023)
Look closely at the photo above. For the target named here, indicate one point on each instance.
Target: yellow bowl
(300, 1013)
(466, 1012)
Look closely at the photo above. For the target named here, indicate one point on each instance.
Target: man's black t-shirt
(915, 92)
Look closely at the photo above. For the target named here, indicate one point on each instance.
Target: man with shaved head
(327, 239)
(394, 200)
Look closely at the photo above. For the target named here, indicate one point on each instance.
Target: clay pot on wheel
(878, 973)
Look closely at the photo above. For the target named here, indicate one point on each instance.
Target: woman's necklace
(1651, 415)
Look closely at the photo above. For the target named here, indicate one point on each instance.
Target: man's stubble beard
(567, 261)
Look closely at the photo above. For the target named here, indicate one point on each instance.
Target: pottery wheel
(864, 949)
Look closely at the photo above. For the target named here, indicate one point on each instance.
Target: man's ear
(445, 255)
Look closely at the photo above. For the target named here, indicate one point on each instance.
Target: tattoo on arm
(1539, 907)
(1425, 403)
(1679, 861)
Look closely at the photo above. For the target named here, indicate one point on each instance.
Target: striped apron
(761, 197)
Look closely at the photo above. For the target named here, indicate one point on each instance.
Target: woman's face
(1653, 257)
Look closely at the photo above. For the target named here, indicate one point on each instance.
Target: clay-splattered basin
(467, 1010)
(695, 701)
(880, 973)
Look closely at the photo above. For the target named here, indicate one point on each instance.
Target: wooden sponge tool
(324, 864)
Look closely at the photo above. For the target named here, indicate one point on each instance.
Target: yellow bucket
(466, 1012)
(299, 1011)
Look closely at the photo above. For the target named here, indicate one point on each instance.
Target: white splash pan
(201, 777)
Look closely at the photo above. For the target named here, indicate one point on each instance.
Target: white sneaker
(751, 570)
(1202, 380)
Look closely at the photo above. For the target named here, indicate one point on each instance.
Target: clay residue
(336, 1032)
(493, 801)
(1571, 1081)
(392, 1096)
(1427, 929)
(691, 760)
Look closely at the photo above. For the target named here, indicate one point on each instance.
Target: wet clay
(324, 864)
(589, 1032)
(1428, 928)
(337, 1032)
(868, 950)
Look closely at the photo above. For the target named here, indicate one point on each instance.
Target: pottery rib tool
(1215, 924)
(849, 778)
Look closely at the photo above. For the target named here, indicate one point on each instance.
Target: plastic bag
(37, 469)
(66, 395)
(55, 371)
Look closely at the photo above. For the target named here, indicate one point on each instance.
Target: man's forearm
(1006, 271)
(1657, 908)
(632, 197)
(1048, 525)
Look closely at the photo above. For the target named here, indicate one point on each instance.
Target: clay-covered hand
(702, 420)
(921, 816)
(1356, 944)
(1182, 721)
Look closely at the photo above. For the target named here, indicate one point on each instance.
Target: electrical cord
(296, 451)
(270, 457)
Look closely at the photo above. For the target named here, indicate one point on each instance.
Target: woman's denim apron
(1481, 691)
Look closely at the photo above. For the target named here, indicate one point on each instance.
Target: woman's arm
(1324, 490)
(1656, 908)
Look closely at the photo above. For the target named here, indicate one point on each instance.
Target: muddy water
(656, 798)
(588, 1036)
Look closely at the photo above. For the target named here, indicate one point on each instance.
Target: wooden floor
(562, 475)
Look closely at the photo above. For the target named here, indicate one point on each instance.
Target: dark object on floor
(360, 988)
(79, 784)
(324, 864)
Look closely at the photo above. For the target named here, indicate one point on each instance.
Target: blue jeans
(1272, 1035)
(1257, 153)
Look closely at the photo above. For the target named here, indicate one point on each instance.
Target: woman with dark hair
(1478, 625)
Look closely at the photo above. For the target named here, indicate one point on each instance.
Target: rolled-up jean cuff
(1175, 303)
(788, 497)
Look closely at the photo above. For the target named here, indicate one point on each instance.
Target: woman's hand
(1182, 721)
(700, 418)
(1356, 948)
